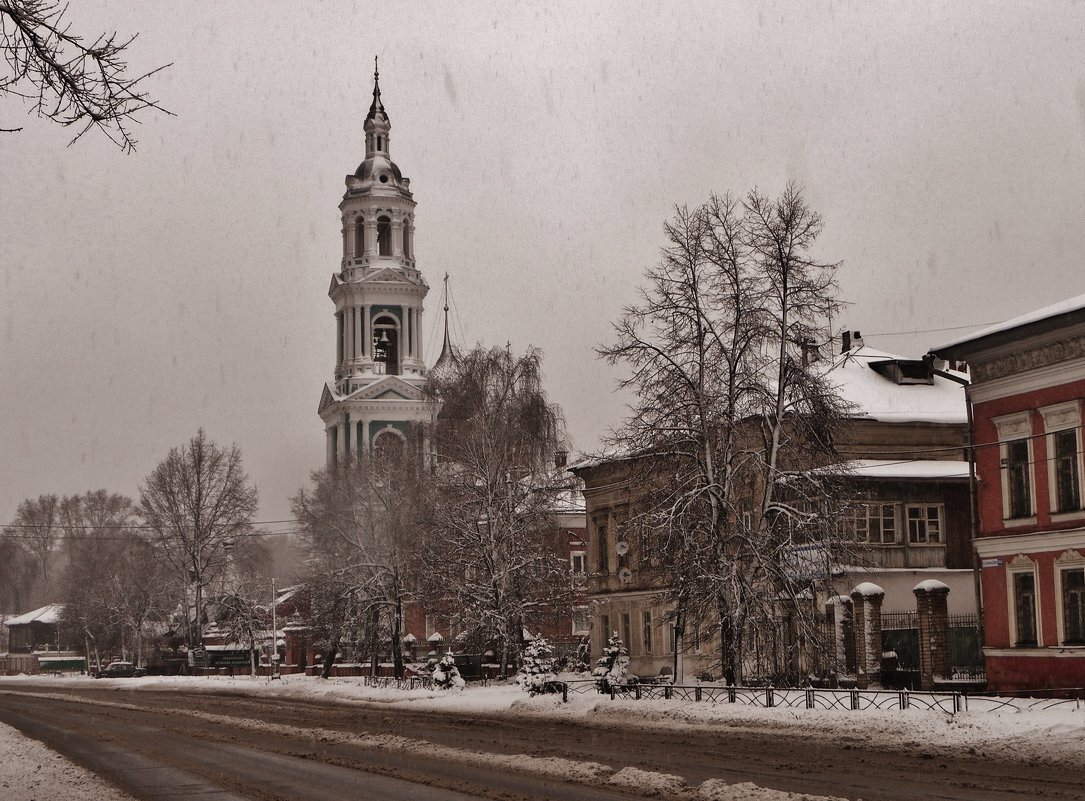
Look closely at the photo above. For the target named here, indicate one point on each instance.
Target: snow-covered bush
(537, 671)
(445, 674)
(611, 668)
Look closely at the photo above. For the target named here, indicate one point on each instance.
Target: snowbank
(1020, 731)
(29, 771)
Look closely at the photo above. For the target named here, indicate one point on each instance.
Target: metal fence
(392, 683)
(790, 697)
(816, 698)
(801, 697)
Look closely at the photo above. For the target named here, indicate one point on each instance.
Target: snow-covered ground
(1022, 732)
(31, 772)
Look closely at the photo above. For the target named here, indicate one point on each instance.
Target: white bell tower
(375, 399)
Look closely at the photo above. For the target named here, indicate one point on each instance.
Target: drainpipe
(973, 498)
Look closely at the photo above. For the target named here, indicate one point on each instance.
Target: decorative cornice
(1036, 542)
(1029, 359)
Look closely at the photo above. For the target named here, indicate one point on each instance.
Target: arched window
(359, 236)
(406, 240)
(386, 344)
(384, 236)
(380, 143)
(389, 446)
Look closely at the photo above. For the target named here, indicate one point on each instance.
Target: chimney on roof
(851, 340)
(810, 352)
(561, 457)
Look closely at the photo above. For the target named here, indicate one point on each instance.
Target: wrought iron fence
(406, 683)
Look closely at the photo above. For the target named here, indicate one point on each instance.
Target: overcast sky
(144, 296)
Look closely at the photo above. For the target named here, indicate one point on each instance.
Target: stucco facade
(1026, 404)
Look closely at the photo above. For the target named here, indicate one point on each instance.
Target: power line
(928, 330)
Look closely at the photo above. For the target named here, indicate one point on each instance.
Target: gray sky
(142, 297)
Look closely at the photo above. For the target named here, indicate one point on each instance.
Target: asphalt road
(173, 745)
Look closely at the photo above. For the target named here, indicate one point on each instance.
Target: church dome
(377, 165)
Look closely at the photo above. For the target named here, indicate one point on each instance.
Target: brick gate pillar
(932, 610)
(867, 601)
(837, 610)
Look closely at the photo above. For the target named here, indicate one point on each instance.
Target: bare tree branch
(68, 79)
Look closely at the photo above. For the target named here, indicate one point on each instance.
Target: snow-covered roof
(48, 614)
(1062, 307)
(877, 397)
(930, 469)
(570, 500)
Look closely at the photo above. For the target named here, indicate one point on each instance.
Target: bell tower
(376, 399)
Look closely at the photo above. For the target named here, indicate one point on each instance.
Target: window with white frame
(875, 523)
(1015, 450)
(1067, 472)
(925, 524)
(1023, 584)
(580, 620)
(1072, 591)
(1062, 423)
(577, 562)
(646, 632)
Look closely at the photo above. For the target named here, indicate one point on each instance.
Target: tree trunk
(329, 658)
(397, 642)
(374, 642)
(199, 613)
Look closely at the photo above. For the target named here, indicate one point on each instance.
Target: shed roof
(48, 614)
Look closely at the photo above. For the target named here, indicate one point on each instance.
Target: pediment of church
(327, 398)
(388, 276)
(389, 388)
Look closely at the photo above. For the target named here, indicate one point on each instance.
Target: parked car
(121, 670)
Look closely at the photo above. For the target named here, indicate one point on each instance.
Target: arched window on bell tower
(406, 239)
(384, 236)
(386, 344)
(359, 236)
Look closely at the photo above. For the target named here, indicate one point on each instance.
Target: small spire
(377, 107)
(448, 353)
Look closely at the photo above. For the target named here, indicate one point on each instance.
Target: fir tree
(537, 671)
(611, 668)
(445, 674)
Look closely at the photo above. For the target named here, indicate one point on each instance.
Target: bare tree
(98, 528)
(17, 572)
(359, 524)
(68, 78)
(491, 552)
(37, 524)
(726, 408)
(195, 502)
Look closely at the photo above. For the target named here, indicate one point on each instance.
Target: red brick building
(1028, 385)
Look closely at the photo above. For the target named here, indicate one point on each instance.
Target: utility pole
(274, 635)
